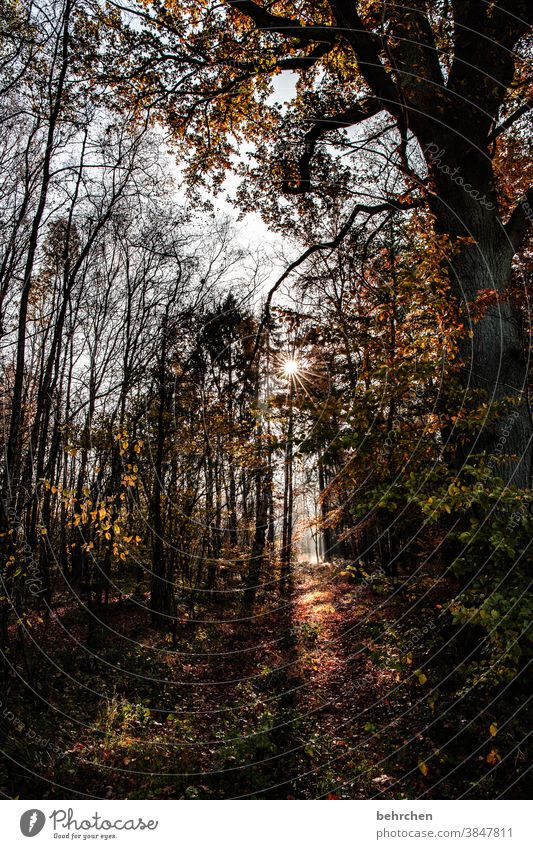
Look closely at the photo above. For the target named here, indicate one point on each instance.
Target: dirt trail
(348, 688)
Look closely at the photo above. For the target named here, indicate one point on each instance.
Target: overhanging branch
(375, 209)
(348, 118)
(267, 22)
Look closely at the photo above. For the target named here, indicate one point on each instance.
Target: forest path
(335, 618)
(342, 628)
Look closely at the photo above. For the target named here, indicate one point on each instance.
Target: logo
(32, 822)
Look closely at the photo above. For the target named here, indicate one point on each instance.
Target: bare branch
(386, 206)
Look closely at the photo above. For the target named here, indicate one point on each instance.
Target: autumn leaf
(493, 757)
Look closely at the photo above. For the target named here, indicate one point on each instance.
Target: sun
(291, 368)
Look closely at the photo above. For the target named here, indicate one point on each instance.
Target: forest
(265, 400)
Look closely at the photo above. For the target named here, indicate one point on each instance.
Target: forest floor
(349, 689)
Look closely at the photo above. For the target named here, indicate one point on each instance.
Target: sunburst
(291, 368)
(297, 373)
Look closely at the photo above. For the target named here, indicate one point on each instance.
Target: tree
(443, 83)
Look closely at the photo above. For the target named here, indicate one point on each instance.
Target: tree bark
(492, 350)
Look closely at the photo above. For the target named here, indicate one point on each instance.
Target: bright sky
(254, 230)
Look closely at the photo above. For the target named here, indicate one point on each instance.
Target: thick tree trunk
(495, 367)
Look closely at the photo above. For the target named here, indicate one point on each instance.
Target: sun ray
(291, 368)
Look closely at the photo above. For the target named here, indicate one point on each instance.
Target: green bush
(491, 527)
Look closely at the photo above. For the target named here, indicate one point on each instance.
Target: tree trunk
(162, 587)
(288, 495)
(258, 546)
(324, 509)
(492, 349)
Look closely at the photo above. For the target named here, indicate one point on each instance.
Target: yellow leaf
(493, 728)
(409, 659)
(493, 757)
(423, 767)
